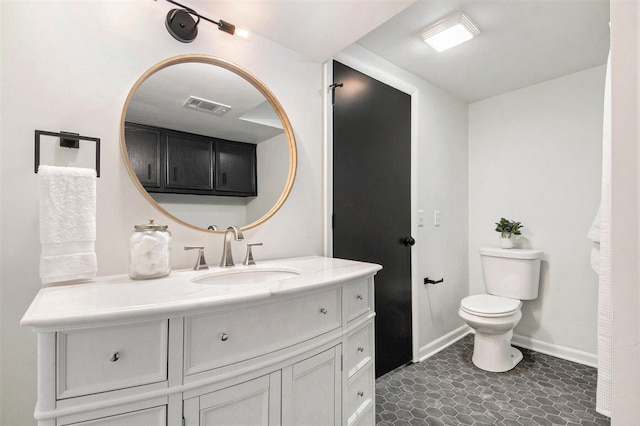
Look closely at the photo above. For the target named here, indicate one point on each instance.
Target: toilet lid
(490, 306)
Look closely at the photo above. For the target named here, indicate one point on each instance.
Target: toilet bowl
(493, 319)
(510, 276)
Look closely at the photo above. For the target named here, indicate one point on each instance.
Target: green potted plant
(507, 228)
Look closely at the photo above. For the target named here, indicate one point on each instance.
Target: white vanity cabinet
(359, 355)
(311, 390)
(254, 402)
(172, 352)
(305, 393)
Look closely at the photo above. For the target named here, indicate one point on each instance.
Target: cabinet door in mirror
(207, 143)
(236, 167)
(143, 148)
(189, 162)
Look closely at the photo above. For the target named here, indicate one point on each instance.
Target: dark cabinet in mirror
(190, 164)
(207, 143)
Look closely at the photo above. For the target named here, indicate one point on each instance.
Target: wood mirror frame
(255, 82)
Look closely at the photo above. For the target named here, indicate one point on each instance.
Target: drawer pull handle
(360, 394)
(114, 357)
(323, 311)
(359, 297)
(224, 337)
(360, 349)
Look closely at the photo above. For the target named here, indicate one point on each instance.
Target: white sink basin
(247, 276)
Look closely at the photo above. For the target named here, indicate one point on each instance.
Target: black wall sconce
(184, 28)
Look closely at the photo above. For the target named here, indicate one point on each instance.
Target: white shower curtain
(605, 310)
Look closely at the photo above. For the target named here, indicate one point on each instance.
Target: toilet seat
(486, 305)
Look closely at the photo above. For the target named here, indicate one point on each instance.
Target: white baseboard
(443, 342)
(546, 348)
(557, 351)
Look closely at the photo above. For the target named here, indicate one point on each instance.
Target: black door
(372, 200)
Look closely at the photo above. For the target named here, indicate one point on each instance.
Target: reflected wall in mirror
(207, 143)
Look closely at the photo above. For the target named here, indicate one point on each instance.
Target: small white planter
(506, 242)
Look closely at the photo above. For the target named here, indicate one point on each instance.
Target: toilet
(510, 276)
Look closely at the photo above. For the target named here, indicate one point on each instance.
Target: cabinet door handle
(360, 394)
(175, 174)
(224, 178)
(114, 357)
(149, 171)
(224, 337)
(323, 311)
(360, 349)
(359, 297)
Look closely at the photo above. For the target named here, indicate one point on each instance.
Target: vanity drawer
(229, 336)
(359, 349)
(108, 358)
(360, 394)
(156, 416)
(358, 298)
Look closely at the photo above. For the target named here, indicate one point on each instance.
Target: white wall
(69, 66)
(204, 211)
(535, 156)
(440, 175)
(273, 167)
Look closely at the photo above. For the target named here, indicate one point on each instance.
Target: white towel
(594, 235)
(604, 389)
(594, 230)
(67, 224)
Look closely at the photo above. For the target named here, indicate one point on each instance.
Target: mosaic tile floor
(447, 389)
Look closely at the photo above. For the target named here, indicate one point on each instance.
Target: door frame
(327, 184)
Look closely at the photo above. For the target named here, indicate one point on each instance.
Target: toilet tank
(512, 273)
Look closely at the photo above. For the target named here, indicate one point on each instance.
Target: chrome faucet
(200, 262)
(248, 259)
(227, 256)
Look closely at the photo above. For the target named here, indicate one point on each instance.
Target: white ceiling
(522, 42)
(316, 28)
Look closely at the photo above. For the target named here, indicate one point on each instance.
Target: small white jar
(149, 251)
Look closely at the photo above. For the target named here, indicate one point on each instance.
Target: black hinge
(333, 221)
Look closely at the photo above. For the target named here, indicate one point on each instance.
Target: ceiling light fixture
(449, 32)
(184, 28)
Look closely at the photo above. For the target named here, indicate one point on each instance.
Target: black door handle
(408, 241)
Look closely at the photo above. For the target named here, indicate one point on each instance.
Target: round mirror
(207, 143)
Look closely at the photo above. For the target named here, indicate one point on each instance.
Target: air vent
(204, 105)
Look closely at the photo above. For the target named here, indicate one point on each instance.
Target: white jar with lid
(149, 251)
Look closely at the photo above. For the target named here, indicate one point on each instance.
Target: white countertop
(119, 299)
